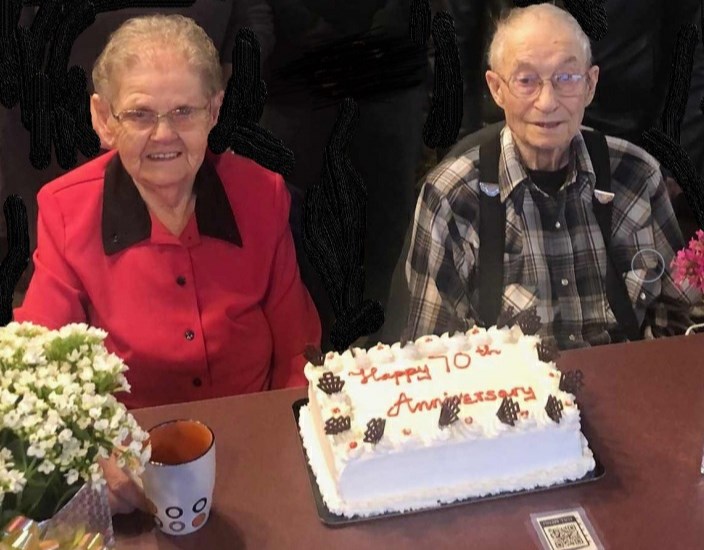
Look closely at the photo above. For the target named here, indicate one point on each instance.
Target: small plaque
(566, 530)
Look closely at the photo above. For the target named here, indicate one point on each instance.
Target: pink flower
(688, 265)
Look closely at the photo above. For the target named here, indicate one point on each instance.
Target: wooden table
(643, 408)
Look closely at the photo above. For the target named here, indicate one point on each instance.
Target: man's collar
(126, 219)
(512, 173)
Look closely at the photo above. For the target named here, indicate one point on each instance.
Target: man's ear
(593, 74)
(494, 82)
(100, 113)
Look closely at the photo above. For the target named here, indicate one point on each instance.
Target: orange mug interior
(179, 441)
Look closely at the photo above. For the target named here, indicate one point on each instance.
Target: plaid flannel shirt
(554, 255)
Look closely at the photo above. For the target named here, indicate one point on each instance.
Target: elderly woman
(185, 258)
(547, 169)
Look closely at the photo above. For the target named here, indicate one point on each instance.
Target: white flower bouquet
(58, 415)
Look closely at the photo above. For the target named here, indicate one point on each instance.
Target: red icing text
(485, 350)
(416, 373)
(413, 406)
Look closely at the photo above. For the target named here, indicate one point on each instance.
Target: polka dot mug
(180, 476)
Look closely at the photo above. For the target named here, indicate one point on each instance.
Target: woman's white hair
(146, 37)
(516, 16)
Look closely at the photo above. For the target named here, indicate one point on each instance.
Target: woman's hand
(124, 494)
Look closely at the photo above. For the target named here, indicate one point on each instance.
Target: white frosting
(431, 345)
(409, 351)
(418, 463)
(381, 353)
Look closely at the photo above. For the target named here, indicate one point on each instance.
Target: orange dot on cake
(198, 520)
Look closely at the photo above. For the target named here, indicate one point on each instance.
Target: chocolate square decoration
(529, 321)
(375, 430)
(554, 408)
(548, 351)
(330, 383)
(336, 425)
(508, 411)
(449, 412)
(571, 381)
(456, 325)
(404, 338)
(314, 355)
(505, 317)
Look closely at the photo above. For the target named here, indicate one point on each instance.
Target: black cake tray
(336, 520)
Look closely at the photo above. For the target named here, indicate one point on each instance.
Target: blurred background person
(387, 146)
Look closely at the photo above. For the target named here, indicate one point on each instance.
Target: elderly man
(547, 215)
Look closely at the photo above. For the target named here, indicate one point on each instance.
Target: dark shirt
(548, 181)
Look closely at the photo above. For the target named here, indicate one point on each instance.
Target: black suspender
(492, 235)
(616, 291)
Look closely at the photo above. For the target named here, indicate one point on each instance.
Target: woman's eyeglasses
(141, 120)
(529, 85)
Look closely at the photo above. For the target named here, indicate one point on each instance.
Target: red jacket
(219, 310)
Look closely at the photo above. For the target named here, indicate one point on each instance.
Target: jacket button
(189, 334)
(197, 382)
(180, 280)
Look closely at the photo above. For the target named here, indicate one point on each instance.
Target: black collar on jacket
(126, 219)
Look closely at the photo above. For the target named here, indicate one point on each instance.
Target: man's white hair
(517, 16)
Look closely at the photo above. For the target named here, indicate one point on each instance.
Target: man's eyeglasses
(141, 120)
(529, 85)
